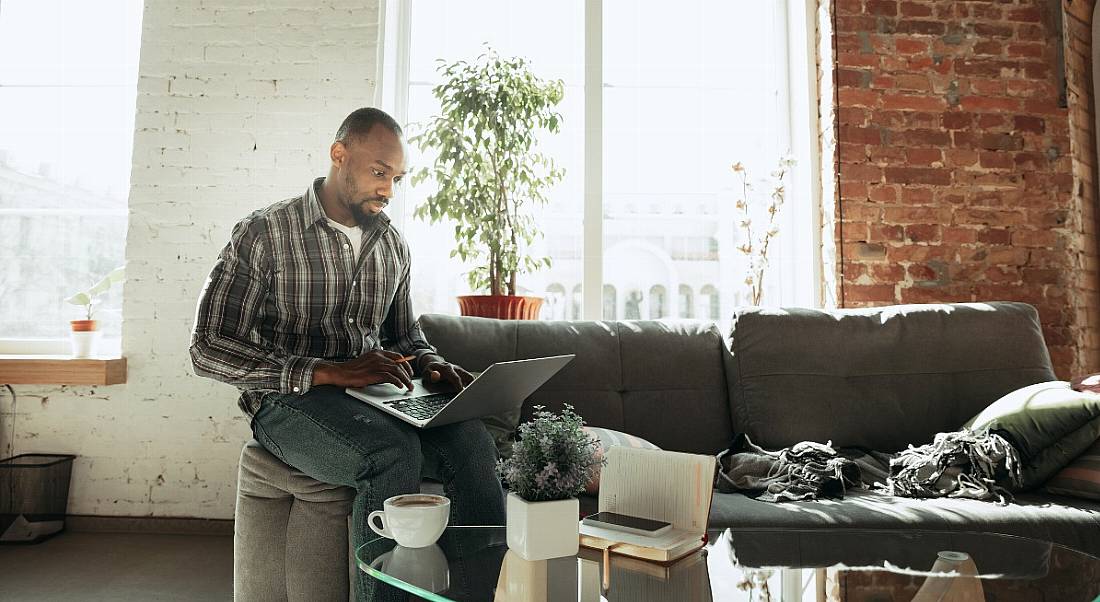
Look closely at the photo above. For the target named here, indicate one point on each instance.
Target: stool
(290, 534)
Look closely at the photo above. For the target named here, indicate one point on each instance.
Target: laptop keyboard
(423, 407)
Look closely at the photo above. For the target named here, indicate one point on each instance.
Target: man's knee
(463, 446)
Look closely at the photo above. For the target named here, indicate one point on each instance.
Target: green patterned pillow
(1081, 478)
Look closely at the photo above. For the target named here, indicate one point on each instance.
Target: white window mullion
(391, 90)
(592, 281)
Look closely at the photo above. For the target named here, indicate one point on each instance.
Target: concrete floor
(118, 567)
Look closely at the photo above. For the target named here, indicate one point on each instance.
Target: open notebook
(660, 485)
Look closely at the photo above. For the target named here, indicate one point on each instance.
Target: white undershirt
(354, 234)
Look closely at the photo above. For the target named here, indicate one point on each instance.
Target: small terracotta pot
(84, 325)
(501, 307)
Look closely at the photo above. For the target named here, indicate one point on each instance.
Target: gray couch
(879, 378)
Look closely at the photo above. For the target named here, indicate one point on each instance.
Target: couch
(879, 378)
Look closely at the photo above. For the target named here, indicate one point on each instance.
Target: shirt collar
(313, 212)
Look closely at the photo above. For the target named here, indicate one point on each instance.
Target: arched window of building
(687, 302)
(575, 303)
(657, 302)
(610, 302)
(632, 309)
(714, 303)
(555, 302)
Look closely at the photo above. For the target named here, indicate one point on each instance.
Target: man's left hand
(449, 373)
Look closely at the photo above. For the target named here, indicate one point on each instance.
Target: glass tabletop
(474, 563)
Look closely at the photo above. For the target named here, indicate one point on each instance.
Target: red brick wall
(955, 169)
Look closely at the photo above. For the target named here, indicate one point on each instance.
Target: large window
(68, 72)
(685, 94)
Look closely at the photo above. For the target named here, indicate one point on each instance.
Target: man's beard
(365, 219)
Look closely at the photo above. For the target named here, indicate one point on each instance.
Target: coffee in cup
(413, 520)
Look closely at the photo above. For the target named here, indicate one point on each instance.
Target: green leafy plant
(553, 459)
(89, 297)
(489, 173)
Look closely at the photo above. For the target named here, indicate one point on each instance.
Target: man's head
(368, 161)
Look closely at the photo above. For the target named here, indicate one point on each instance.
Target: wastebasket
(34, 496)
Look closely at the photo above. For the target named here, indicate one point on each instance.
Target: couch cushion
(1048, 423)
(662, 381)
(880, 378)
(1071, 522)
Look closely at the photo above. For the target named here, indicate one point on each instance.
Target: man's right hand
(371, 368)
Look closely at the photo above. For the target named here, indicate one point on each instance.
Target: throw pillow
(611, 438)
(1081, 478)
(1048, 423)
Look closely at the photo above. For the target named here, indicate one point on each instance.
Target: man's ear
(338, 153)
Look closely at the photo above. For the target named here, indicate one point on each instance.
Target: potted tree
(490, 175)
(84, 331)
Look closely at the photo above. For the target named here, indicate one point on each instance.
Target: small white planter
(542, 530)
(84, 343)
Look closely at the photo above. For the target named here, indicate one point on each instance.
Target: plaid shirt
(287, 293)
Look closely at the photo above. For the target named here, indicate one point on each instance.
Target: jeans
(338, 439)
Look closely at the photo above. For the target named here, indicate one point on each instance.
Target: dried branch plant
(757, 249)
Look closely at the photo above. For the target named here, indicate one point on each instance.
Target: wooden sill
(61, 370)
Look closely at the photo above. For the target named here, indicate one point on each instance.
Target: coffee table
(473, 563)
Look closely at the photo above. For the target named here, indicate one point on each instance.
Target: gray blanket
(960, 464)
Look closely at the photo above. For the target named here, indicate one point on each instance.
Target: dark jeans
(338, 439)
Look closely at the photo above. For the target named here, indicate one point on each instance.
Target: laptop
(502, 387)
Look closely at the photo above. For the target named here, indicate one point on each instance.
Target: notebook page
(660, 485)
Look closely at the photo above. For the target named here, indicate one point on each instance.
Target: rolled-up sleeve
(225, 342)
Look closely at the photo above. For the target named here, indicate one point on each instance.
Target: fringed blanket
(960, 464)
(964, 464)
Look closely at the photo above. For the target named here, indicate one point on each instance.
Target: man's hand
(370, 368)
(449, 373)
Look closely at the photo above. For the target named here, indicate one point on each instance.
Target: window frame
(800, 18)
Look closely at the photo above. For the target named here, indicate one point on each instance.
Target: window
(610, 303)
(67, 89)
(657, 302)
(674, 118)
(687, 302)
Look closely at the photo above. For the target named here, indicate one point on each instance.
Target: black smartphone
(627, 524)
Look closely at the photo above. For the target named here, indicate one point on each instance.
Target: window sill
(61, 370)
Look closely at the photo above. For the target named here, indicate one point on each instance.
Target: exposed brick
(916, 175)
(990, 182)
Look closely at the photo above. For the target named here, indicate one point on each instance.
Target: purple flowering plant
(553, 458)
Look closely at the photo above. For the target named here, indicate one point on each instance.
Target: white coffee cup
(424, 567)
(413, 520)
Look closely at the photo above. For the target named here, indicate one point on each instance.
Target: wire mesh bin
(34, 496)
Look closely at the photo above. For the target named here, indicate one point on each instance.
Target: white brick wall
(237, 104)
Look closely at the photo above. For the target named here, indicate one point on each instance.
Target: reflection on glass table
(473, 563)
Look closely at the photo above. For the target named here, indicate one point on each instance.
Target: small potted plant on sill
(551, 462)
(490, 175)
(84, 332)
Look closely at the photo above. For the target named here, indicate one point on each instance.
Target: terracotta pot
(502, 307)
(83, 325)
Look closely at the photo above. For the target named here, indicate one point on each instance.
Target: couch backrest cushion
(662, 381)
(880, 378)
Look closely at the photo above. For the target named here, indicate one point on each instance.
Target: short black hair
(362, 120)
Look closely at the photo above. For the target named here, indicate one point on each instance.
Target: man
(310, 296)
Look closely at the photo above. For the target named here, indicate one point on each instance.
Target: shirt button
(347, 246)
(351, 320)
(355, 283)
(297, 389)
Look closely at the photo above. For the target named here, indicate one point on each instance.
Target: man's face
(369, 169)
